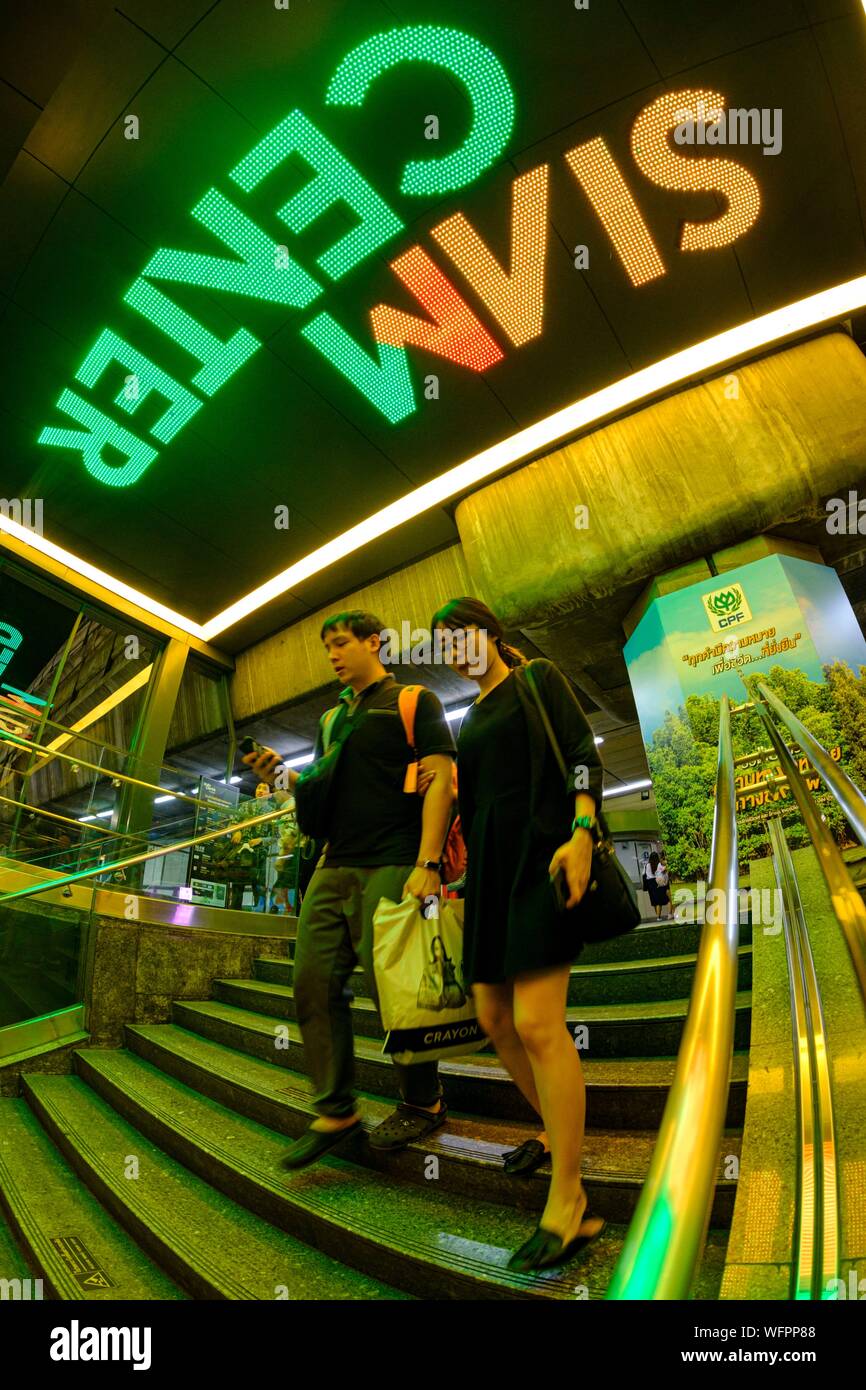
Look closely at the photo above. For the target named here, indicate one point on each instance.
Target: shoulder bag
(609, 907)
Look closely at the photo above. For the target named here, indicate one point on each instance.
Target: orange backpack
(454, 849)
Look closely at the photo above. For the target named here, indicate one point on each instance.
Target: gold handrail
(17, 741)
(816, 1253)
(848, 906)
(67, 820)
(849, 797)
(56, 883)
(665, 1240)
(13, 709)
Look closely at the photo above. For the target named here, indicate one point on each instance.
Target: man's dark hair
(360, 623)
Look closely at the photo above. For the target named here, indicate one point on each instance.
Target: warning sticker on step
(79, 1261)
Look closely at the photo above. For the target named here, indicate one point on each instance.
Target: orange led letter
(515, 299)
(599, 176)
(656, 158)
(454, 333)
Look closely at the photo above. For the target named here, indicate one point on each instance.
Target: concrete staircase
(161, 1161)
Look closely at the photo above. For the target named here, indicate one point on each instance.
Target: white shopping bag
(426, 1010)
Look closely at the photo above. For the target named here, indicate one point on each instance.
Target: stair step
(468, 1150)
(431, 1243)
(213, 1246)
(622, 1093)
(649, 940)
(46, 1203)
(652, 978)
(650, 1028)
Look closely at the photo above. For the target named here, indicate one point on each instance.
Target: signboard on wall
(785, 619)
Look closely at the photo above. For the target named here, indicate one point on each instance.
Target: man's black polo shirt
(373, 821)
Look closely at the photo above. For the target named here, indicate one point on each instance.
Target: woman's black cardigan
(551, 806)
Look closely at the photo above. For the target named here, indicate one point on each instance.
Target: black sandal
(544, 1249)
(526, 1158)
(407, 1124)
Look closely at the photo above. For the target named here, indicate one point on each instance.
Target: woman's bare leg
(494, 1007)
(539, 1019)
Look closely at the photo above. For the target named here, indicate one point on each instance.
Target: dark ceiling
(83, 208)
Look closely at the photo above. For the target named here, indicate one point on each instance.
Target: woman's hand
(575, 858)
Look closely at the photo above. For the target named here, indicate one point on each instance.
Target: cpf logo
(727, 607)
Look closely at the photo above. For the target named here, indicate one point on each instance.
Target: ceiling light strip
(834, 303)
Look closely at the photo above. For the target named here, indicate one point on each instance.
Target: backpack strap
(327, 723)
(407, 704)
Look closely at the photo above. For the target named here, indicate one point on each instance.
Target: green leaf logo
(724, 602)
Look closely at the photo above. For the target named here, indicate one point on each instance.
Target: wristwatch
(589, 823)
(432, 864)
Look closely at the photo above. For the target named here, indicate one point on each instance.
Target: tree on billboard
(683, 757)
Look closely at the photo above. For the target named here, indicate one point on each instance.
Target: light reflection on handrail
(60, 882)
(847, 903)
(664, 1243)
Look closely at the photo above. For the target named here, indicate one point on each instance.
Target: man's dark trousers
(335, 930)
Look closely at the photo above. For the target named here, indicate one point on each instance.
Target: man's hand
(421, 884)
(264, 764)
(575, 858)
(425, 777)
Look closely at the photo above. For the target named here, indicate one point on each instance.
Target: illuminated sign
(10, 641)
(261, 268)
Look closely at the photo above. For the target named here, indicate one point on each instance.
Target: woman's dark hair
(654, 861)
(444, 955)
(471, 612)
(360, 623)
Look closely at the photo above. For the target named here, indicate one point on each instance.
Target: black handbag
(609, 906)
(314, 788)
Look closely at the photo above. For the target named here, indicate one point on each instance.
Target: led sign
(262, 268)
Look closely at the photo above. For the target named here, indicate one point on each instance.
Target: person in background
(522, 827)
(650, 884)
(662, 886)
(286, 861)
(249, 849)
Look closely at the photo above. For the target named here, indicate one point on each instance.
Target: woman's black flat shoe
(526, 1158)
(544, 1249)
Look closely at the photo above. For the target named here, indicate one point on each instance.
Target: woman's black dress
(511, 923)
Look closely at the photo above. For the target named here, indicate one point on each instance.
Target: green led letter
(386, 383)
(146, 377)
(219, 360)
(263, 275)
(101, 433)
(336, 181)
(472, 63)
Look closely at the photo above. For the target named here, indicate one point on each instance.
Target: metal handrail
(55, 883)
(816, 1243)
(10, 706)
(66, 820)
(664, 1243)
(16, 741)
(839, 784)
(847, 903)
